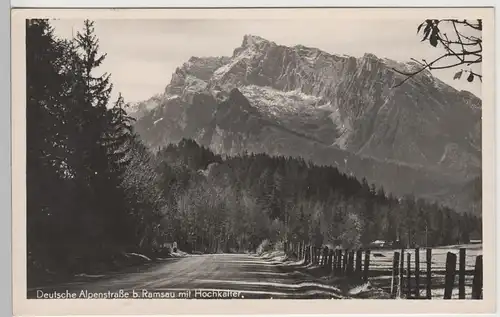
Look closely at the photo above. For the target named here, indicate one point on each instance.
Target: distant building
(171, 246)
(378, 244)
(335, 244)
(475, 237)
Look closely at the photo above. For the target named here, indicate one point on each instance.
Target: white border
(148, 3)
(247, 3)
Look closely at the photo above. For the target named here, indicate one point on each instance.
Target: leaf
(420, 26)
(433, 39)
(426, 34)
(427, 30)
(458, 75)
(470, 78)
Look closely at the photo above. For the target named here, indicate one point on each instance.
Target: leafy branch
(460, 48)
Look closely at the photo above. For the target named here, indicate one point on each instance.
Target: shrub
(264, 246)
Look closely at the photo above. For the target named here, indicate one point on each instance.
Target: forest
(96, 192)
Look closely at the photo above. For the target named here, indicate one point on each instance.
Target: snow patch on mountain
(247, 54)
(171, 97)
(194, 84)
(156, 121)
(276, 102)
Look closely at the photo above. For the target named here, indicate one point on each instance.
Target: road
(245, 276)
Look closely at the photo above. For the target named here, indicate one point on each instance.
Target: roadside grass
(126, 262)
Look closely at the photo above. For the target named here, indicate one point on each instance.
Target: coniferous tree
(47, 170)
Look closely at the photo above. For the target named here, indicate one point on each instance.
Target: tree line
(96, 193)
(234, 203)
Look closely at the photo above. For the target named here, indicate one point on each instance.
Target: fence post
(340, 259)
(334, 261)
(417, 273)
(367, 265)
(338, 267)
(310, 254)
(351, 262)
(329, 263)
(449, 281)
(348, 267)
(408, 275)
(395, 262)
(461, 274)
(325, 257)
(320, 256)
(401, 272)
(341, 262)
(348, 264)
(344, 262)
(477, 282)
(359, 254)
(428, 259)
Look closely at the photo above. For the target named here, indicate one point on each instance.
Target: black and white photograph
(250, 158)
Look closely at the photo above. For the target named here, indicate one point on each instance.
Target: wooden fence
(337, 262)
(411, 281)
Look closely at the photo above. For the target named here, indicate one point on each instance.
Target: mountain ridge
(338, 103)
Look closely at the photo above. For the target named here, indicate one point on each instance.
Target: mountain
(139, 109)
(422, 138)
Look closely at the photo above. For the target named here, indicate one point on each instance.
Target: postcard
(253, 161)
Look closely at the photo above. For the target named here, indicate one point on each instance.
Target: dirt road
(207, 276)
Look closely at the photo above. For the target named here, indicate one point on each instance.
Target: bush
(264, 246)
(279, 246)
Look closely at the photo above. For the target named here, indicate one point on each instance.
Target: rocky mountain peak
(250, 40)
(331, 109)
(371, 56)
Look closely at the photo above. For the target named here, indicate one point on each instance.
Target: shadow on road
(248, 276)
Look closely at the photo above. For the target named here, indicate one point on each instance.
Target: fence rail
(406, 281)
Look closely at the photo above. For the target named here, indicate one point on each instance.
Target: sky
(143, 54)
